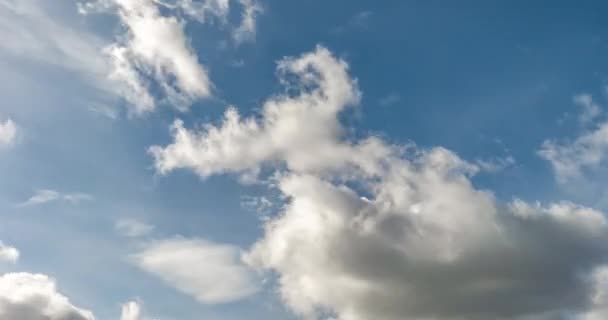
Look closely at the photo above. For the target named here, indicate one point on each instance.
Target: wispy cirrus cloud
(130, 227)
(43, 196)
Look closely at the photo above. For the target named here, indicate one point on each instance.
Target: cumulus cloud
(8, 132)
(372, 230)
(302, 130)
(131, 311)
(129, 227)
(46, 195)
(154, 46)
(8, 253)
(570, 158)
(35, 297)
(211, 273)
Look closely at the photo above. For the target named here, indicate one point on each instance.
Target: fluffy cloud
(156, 47)
(588, 151)
(46, 195)
(211, 273)
(303, 130)
(372, 230)
(8, 132)
(34, 297)
(8, 253)
(569, 159)
(131, 311)
(132, 228)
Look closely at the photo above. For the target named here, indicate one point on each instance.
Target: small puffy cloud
(132, 228)
(569, 158)
(8, 253)
(211, 273)
(588, 151)
(131, 311)
(46, 195)
(27, 296)
(371, 230)
(8, 132)
(590, 109)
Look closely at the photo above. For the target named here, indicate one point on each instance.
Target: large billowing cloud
(26, 296)
(372, 230)
(211, 273)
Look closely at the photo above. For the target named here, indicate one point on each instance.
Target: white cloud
(28, 296)
(495, 164)
(372, 230)
(133, 228)
(569, 158)
(210, 272)
(8, 253)
(246, 30)
(131, 311)
(588, 151)
(8, 132)
(46, 195)
(590, 109)
(155, 46)
(302, 130)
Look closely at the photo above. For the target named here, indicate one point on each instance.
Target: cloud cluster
(373, 230)
(29, 296)
(210, 272)
(8, 253)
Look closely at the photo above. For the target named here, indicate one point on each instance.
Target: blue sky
(446, 120)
